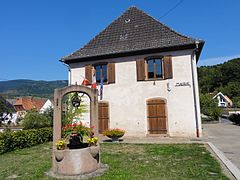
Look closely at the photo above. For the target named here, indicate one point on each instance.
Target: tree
(209, 107)
(34, 120)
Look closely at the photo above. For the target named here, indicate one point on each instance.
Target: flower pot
(115, 139)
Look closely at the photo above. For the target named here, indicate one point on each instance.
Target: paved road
(226, 137)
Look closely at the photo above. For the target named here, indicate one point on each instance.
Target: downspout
(69, 72)
(194, 88)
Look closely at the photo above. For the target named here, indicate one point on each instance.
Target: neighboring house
(24, 104)
(223, 100)
(48, 104)
(10, 116)
(149, 73)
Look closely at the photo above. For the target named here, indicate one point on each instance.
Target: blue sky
(34, 35)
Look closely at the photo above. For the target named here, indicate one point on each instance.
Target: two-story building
(149, 73)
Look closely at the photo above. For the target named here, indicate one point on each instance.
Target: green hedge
(12, 140)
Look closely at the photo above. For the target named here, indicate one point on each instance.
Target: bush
(12, 140)
(209, 107)
(235, 118)
(34, 120)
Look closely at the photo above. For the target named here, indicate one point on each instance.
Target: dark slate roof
(134, 32)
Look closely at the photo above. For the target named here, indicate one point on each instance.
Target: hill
(23, 87)
(221, 77)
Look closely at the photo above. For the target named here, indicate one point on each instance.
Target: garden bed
(125, 161)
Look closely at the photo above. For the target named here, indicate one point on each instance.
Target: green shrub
(209, 107)
(235, 118)
(34, 120)
(12, 140)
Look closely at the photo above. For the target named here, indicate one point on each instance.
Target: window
(154, 68)
(158, 68)
(101, 73)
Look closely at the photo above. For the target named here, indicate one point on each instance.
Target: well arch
(58, 96)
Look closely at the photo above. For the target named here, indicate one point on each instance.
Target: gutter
(196, 50)
(69, 72)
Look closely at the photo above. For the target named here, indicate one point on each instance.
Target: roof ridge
(151, 34)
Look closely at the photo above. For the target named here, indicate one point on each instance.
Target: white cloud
(217, 60)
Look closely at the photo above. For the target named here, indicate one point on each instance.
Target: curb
(231, 167)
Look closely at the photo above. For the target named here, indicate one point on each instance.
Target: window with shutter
(140, 69)
(154, 68)
(88, 73)
(168, 73)
(111, 73)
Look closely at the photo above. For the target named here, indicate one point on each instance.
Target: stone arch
(59, 94)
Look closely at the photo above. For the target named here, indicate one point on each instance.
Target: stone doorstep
(235, 172)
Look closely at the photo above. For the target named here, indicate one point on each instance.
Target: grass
(126, 161)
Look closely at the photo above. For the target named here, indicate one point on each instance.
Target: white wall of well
(127, 97)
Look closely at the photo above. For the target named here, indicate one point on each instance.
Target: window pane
(150, 69)
(104, 73)
(158, 68)
(98, 73)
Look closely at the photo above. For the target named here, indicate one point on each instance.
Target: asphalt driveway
(226, 137)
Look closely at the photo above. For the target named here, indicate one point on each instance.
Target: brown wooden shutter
(103, 117)
(157, 118)
(167, 67)
(140, 70)
(111, 72)
(88, 73)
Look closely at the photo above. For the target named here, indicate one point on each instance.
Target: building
(149, 74)
(24, 104)
(47, 105)
(223, 100)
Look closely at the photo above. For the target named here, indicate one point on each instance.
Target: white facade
(223, 101)
(48, 104)
(127, 97)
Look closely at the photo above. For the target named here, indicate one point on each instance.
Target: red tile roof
(29, 103)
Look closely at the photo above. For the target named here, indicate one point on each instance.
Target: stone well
(72, 162)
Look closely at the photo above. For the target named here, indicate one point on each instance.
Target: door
(103, 116)
(156, 116)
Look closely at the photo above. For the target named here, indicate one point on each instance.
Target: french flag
(94, 81)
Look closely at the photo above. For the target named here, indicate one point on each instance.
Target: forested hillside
(15, 88)
(222, 77)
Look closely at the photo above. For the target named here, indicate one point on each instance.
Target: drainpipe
(69, 72)
(194, 87)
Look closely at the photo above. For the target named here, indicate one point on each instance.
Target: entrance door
(156, 115)
(103, 116)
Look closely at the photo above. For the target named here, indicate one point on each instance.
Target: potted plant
(114, 134)
(75, 133)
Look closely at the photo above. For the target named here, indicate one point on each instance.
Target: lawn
(126, 161)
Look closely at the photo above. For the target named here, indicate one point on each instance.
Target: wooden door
(103, 116)
(156, 115)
